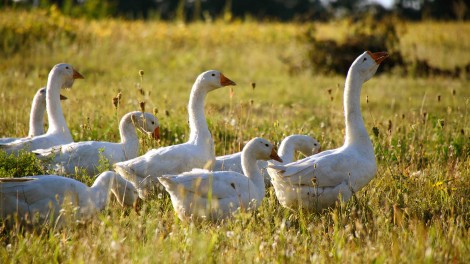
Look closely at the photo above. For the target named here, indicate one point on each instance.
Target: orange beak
(63, 97)
(274, 156)
(226, 81)
(77, 75)
(378, 56)
(156, 133)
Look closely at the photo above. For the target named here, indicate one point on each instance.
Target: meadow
(416, 209)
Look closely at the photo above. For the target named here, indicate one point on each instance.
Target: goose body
(305, 144)
(319, 181)
(197, 152)
(43, 197)
(65, 159)
(61, 76)
(202, 194)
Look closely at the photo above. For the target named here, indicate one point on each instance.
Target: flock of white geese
(200, 185)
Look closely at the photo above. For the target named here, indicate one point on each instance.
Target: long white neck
(199, 132)
(55, 115)
(100, 190)
(129, 139)
(252, 171)
(36, 117)
(287, 151)
(356, 133)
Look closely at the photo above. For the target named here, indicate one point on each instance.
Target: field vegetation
(416, 210)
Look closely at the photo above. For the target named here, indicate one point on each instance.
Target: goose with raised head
(86, 155)
(216, 195)
(306, 145)
(197, 152)
(36, 117)
(319, 181)
(61, 76)
(36, 199)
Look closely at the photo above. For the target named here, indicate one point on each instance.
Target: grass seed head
(117, 100)
(376, 132)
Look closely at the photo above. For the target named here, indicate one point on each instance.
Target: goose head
(367, 64)
(261, 149)
(309, 146)
(68, 73)
(41, 95)
(213, 79)
(147, 123)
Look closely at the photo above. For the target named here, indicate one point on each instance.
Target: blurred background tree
(277, 10)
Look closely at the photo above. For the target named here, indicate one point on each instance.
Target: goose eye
(364, 59)
(153, 123)
(266, 145)
(315, 144)
(213, 74)
(67, 67)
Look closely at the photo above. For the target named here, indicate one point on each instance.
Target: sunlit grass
(415, 210)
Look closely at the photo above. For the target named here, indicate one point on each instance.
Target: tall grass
(415, 210)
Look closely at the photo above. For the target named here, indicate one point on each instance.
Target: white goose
(319, 181)
(61, 76)
(36, 117)
(87, 154)
(202, 194)
(289, 145)
(46, 195)
(197, 152)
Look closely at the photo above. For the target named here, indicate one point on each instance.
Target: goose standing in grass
(202, 194)
(37, 199)
(66, 159)
(36, 117)
(197, 152)
(319, 181)
(307, 145)
(61, 76)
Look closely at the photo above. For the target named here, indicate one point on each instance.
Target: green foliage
(330, 56)
(48, 28)
(25, 164)
(92, 9)
(103, 162)
(326, 56)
